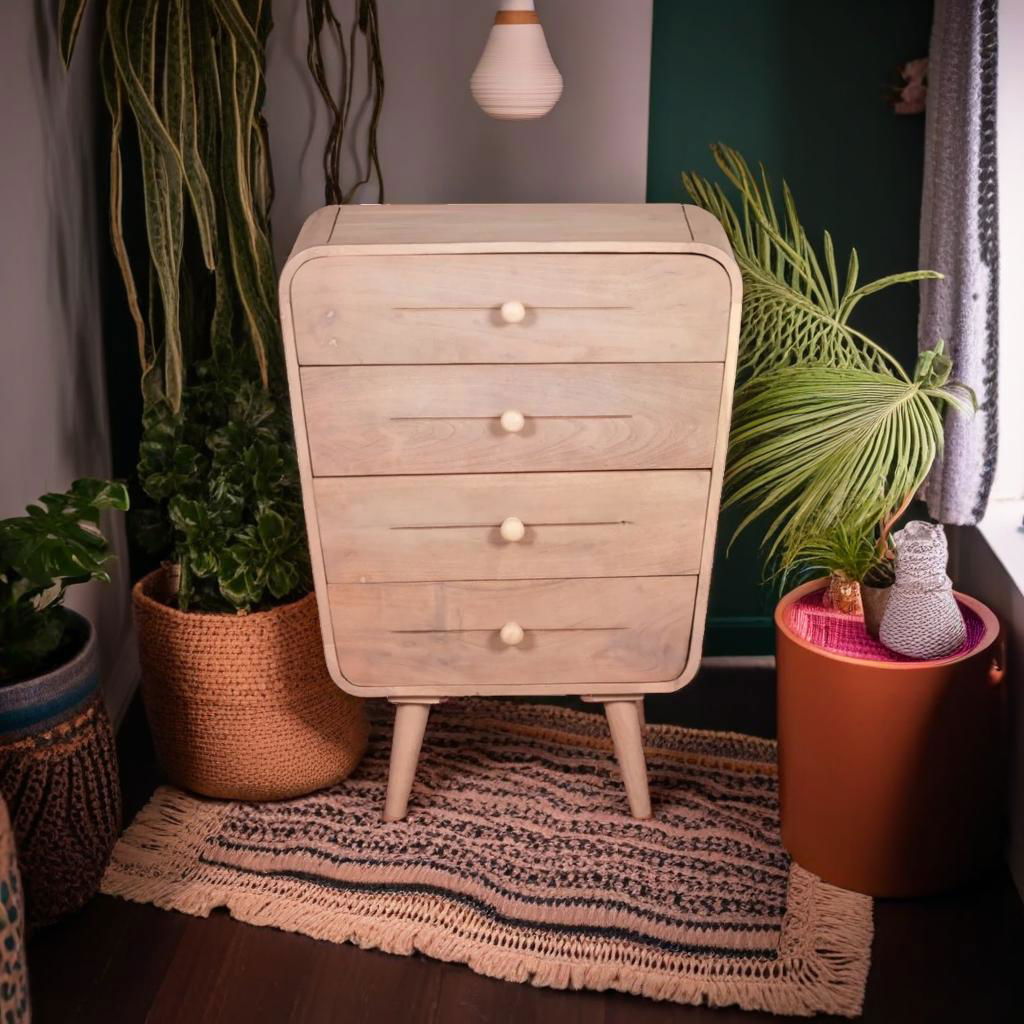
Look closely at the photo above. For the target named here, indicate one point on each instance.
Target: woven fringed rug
(518, 858)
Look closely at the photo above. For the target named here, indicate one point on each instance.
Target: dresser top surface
(519, 226)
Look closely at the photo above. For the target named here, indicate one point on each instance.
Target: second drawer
(505, 526)
(448, 419)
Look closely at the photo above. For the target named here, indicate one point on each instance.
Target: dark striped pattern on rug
(518, 857)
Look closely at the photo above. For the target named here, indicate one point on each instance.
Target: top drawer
(577, 307)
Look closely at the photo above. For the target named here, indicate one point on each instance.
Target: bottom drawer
(454, 635)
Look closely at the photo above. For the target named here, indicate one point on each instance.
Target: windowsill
(1004, 534)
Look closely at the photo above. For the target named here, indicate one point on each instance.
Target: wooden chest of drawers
(511, 424)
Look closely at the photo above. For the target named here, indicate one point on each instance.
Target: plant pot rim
(15, 695)
(142, 595)
(988, 618)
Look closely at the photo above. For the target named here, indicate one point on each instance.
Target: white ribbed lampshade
(516, 79)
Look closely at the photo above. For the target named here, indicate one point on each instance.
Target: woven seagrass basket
(241, 707)
(58, 774)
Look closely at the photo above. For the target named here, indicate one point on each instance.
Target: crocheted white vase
(922, 618)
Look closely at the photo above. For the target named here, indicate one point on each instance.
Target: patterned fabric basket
(14, 1004)
(58, 774)
(241, 706)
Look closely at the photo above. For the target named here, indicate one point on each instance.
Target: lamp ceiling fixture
(516, 79)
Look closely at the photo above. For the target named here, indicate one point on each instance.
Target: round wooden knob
(512, 312)
(512, 421)
(512, 529)
(511, 634)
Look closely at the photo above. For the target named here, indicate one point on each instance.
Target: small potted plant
(236, 688)
(58, 767)
(889, 768)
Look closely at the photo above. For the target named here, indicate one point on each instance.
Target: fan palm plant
(831, 436)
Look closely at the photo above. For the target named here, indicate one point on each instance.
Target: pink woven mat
(845, 634)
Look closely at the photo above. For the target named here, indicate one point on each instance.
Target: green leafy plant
(222, 472)
(830, 434)
(846, 553)
(56, 544)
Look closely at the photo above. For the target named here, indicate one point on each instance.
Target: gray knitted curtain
(960, 238)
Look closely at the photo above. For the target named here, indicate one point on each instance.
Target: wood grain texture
(446, 309)
(437, 232)
(406, 529)
(538, 224)
(445, 636)
(447, 419)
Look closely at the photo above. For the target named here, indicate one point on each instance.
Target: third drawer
(573, 525)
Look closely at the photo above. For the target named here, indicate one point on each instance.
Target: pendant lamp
(516, 79)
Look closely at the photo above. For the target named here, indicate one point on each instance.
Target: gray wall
(54, 414)
(437, 146)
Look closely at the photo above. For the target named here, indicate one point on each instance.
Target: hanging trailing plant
(324, 23)
(831, 437)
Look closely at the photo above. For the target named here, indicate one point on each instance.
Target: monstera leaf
(55, 544)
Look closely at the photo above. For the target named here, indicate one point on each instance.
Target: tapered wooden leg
(624, 719)
(410, 724)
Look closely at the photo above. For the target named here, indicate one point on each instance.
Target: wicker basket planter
(58, 774)
(891, 774)
(241, 706)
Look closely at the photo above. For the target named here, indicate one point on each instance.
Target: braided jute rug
(519, 859)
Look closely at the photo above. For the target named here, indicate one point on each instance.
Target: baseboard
(739, 662)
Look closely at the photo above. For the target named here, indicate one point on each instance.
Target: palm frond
(795, 311)
(815, 449)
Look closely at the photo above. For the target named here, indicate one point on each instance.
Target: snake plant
(830, 433)
(184, 83)
(186, 78)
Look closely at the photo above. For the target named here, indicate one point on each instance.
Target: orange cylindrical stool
(891, 774)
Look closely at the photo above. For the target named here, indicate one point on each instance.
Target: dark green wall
(801, 86)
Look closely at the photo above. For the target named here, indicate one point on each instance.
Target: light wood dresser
(511, 424)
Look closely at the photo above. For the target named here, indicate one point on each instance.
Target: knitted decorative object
(922, 618)
(58, 774)
(14, 1004)
(242, 706)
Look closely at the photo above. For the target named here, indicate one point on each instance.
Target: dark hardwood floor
(956, 958)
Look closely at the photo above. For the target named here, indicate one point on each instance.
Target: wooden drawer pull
(512, 421)
(511, 634)
(512, 529)
(513, 312)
